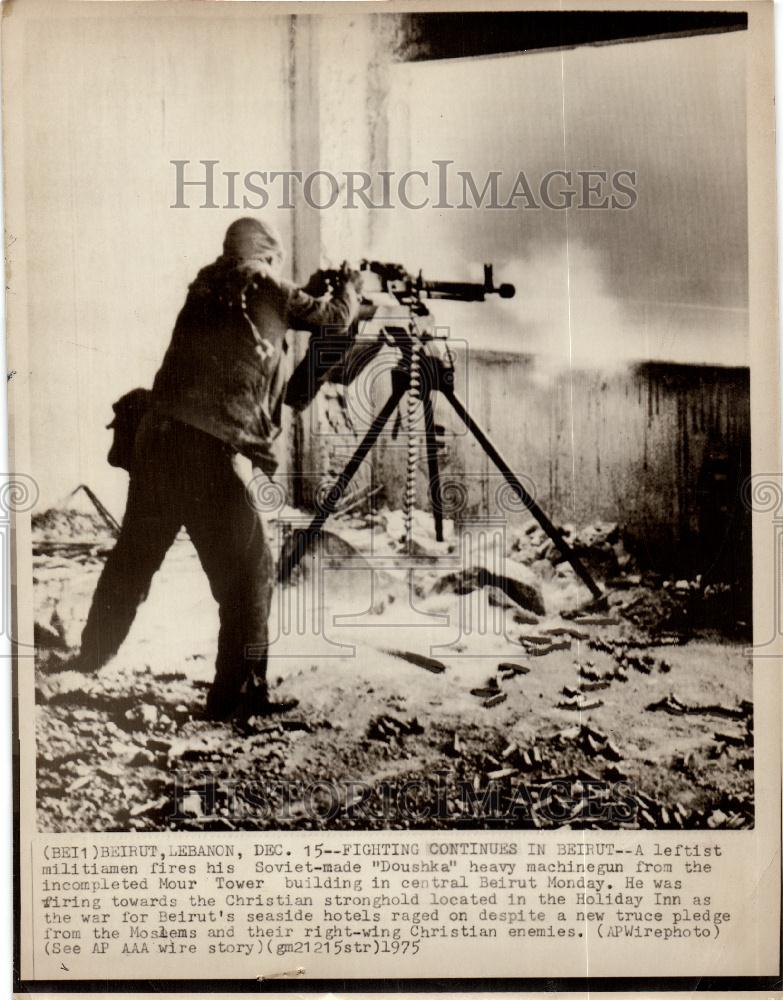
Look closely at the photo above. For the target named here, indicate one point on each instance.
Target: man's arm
(334, 315)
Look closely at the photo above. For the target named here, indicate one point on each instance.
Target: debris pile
(653, 610)
(599, 545)
(68, 525)
(131, 752)
(82, 524)
(591, 741)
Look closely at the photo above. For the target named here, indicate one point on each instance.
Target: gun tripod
(422, 371)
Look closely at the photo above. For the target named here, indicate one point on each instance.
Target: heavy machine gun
(394, 313)
(398, 282)
(393, 310)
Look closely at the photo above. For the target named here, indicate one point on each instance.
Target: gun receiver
(341, 359)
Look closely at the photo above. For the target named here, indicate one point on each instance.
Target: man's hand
(347, 275)
(320, 282)
(316, 285)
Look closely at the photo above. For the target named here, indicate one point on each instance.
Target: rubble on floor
(537, 723)
(69, 525)
(388, 729)
(672, 704)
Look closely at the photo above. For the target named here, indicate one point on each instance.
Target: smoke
(562, 313)
(568, 316)
(565, 315)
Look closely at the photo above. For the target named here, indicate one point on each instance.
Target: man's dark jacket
(224, 371)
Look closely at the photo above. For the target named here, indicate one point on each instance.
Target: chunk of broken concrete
(143, 716)
(569, 630)
(580, 703)
(515, 581)
(499, 599)
(427, 662)
(488, 690)
(508, 669)
(503, 772)
(191, 805)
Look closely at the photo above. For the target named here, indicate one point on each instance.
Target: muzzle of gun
(466, 291)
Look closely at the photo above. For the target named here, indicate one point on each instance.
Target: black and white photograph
(391, 422)
(392, 531)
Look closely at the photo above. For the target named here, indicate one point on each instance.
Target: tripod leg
(432, 466)
(291, 560)
(521, 492)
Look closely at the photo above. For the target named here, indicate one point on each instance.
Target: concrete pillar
(303, 69)
(338, 69)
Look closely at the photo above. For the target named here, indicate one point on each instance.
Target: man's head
(252, 239)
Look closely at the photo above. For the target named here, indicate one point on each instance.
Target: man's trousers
(182, 476)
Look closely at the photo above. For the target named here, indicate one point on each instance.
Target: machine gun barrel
(466, 291)
(460, 291)
(395, 278)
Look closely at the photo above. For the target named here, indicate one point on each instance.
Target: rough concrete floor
(126, 749)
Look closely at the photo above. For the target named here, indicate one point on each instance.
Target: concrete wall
(108, 260)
